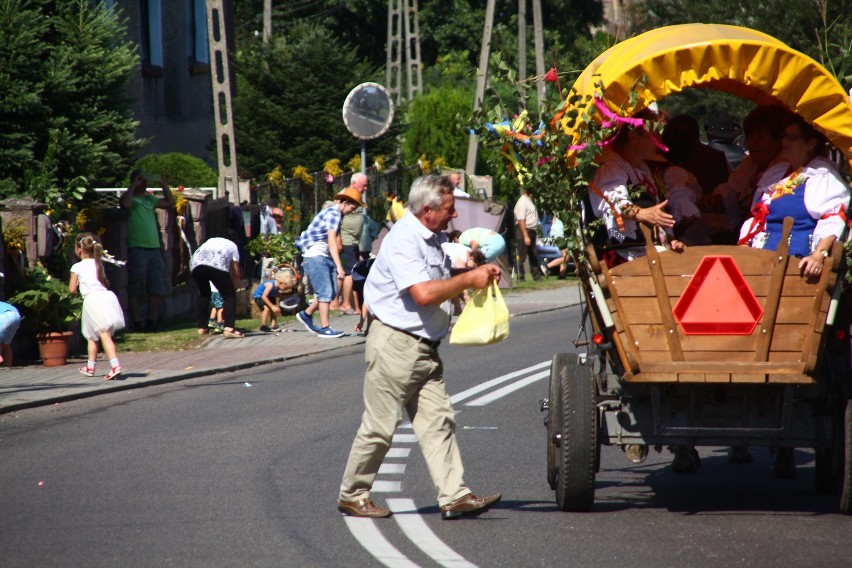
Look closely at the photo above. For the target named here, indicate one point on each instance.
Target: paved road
(242, 469)
(33, 385)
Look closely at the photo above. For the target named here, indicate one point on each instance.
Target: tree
(290, 93)
(64, 114)
(799, 26)
(23, 113)
(433, 126)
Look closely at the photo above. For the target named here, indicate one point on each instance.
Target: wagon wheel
(578, 450)
(846, 492)
(558, 367)
(829, 462)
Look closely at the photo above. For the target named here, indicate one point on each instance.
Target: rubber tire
(846, 490)
(827, 478)
(579, 447)
(557, 367)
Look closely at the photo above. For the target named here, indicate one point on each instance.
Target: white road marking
(392, 468)
(418, 532)
(412, 524)
(382, 486)
(494, 382)
(368, 535)
(508, 389)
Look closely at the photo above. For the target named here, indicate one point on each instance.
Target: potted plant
(49, 311)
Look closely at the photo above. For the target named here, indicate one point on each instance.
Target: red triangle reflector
(718, 301)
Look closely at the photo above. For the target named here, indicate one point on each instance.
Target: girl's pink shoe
(113, 373)
(88, 371)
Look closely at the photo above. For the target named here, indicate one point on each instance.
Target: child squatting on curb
(102, 315)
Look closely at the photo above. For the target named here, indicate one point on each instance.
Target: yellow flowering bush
(180, 204)
(15, 234)
(301, 172)
(354, 164)
(332, 167)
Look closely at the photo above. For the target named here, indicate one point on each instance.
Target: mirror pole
(364, 157)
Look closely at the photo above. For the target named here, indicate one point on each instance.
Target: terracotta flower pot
(53, 347)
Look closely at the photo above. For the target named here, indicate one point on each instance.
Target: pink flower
(329, 178)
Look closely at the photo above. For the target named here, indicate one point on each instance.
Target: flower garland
(788, 184)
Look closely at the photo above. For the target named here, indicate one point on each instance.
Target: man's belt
(433, 343)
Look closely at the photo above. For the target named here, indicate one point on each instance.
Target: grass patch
(549, 283)
(177, 334)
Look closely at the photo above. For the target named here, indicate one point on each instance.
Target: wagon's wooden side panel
(782, 348)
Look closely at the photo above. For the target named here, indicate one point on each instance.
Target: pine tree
(64, 115)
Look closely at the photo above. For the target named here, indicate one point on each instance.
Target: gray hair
(358, 177)
(428, 191)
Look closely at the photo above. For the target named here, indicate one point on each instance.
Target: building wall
(173, 100)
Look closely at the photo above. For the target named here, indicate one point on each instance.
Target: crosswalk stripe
(416, 529)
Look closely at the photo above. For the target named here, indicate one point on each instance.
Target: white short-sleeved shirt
(410, 254)
(525, 211)
(216, 253)
(87, 275)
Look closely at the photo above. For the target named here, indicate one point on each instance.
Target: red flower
(552, 75)
(180, 188)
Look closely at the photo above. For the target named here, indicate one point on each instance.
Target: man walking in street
(410, 294)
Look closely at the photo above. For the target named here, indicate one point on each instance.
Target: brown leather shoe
(469, 505)
(363, 508)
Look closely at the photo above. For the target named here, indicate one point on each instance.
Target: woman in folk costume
(812, 193)
(622, 169)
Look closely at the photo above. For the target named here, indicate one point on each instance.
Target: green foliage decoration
(45, 303)
(553, 161)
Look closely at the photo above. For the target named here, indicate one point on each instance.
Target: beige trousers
(404, 373)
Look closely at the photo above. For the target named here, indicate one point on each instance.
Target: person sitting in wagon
(723, 211)
(816, 197)
(623, 168)
(811, 192)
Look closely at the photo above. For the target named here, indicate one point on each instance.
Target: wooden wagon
(717, 345)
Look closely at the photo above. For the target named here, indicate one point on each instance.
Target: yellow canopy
(740, 61)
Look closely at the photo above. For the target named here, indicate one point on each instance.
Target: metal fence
(380, 184)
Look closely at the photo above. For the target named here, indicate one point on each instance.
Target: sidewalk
(36, 385)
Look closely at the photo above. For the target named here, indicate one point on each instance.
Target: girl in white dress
(102, 314)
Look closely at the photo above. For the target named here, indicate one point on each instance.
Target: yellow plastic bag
(484, 319)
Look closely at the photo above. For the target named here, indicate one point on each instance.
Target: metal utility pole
(413, 70)
(392, 76)
(403, 29)
(223, 113)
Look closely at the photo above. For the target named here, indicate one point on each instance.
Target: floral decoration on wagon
(557, 158)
